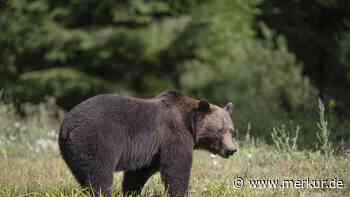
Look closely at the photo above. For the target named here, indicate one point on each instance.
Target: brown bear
(109, 133)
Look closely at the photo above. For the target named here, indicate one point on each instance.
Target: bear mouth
(220, 153)
(226, 153)
(225, 156)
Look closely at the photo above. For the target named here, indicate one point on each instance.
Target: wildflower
(52, 133)
(17, 125)
(45, 144)
(12, 138)
(249, 155)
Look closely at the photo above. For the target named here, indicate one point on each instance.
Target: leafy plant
(284, 140)
(323, 134)
(68, 86)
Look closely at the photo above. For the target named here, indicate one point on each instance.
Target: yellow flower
(332, 104)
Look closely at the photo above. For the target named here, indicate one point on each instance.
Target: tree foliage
(271, 58)
(316, 32)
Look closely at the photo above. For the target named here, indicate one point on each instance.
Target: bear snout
(226, 153)
(229, 147)
(230, 152)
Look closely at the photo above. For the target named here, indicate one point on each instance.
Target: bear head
(213, 129)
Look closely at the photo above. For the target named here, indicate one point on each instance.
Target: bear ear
(203, 106)
(229, 107)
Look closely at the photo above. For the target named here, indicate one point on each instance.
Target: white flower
(249, 155)
(212, 156)
(45, 144)
(12, 138)
(52, 133)
(17, 124)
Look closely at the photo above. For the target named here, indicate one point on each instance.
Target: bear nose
(231, 152)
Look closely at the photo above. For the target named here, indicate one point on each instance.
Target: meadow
(30, 163)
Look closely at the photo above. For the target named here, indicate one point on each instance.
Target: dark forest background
(273, 59)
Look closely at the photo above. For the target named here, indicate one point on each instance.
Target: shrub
(261, 77)
(67, 85)
(323, 135)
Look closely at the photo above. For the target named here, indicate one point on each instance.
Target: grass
(45, 174)
(30, 164)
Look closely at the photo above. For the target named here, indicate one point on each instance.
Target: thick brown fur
(109, 133)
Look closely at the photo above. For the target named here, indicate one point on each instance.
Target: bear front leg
(175, 169)
(134, 181)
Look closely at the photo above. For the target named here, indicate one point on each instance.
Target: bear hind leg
(100, 182)
(96, 181)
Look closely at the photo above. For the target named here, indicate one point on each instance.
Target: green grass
(45, 174)
(30, 164)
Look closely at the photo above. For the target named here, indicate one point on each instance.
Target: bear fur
(109, 133)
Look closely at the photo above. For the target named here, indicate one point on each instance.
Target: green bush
(67, 85)
(261, 77)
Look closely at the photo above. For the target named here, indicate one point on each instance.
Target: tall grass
(323, 136)
(35, 132)
(284, 140)
(30, 164)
